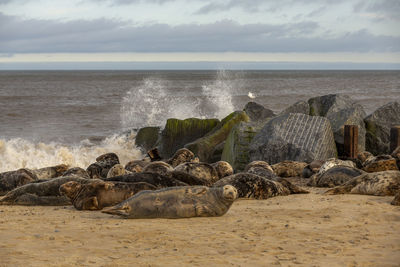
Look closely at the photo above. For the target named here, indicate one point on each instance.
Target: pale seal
(44, 193)
(117, 170)
(177, 202)
(386, 183)
(13, 179)
(98, 194)
(253, 186)
(200, 170)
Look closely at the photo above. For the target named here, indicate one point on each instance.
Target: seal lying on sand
(253, 186)
(223, 168)
(200, 170)
(336, 175)
(181, 156)
(50, 172)
(159, 167)
(103, 164)
(98, 194)
(13, 179)
(136, 165)
(177, 202)
(43, 194)
(386, 183)
(289, 168)
(77, 171)
(261, 168)
(117, 170)
(158, 180)
(396, 200)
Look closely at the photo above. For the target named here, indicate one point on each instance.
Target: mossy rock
(146, 138)
(177, 133)
(204, 147)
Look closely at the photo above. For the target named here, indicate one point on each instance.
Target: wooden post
(394, 138)
(154, 154)
(351, 141)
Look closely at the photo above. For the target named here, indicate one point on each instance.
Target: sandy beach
(295, 230)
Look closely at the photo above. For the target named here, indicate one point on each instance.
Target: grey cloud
(387, 8)
(41, 36)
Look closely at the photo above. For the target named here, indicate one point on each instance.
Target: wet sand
(295, 230)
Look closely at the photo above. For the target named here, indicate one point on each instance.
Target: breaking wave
(20, 153)
(152, 103)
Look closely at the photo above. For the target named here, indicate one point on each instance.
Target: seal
(77, 171)
(177, 202)
(159, 167)
(97, 194)
(117, 170)
(289, 168)
(200, 170)
(250, 185)
(44, 193)
(335, 176)
(261, 168)
(103, 164)
(258, 164)
(223, 168)
(13, 179)
(386, 183)
(396, 200)
(181, 156)
(332, 162)
(380, 163)
(158, 180)
(312, 168)
(50, 172)
(136, 165)
(187, 178)
(363, 156)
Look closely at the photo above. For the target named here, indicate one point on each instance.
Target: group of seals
(177, 202)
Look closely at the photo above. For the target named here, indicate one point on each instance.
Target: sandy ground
(295, 230)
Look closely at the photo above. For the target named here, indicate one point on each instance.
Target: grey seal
(158, 180)
(13, 179)
(335, 176)
(200, 170)
(177, 202)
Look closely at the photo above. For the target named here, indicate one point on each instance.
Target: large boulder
(378, 126)
(177, 133)
(257, 112)
(298, 107)
(296, 137)
(147, 137)
(327, 104)
(236, 149)
(204, 147)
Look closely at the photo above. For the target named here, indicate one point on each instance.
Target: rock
(380, 163)
(329, 104)
(257, 112)
(350, 116)
(177, 133)
(298, 107)
(236, 149)
(146, 138)
(335, 176)
(217, 152)
(378, 126)
(295, 137)
(289, 168)
(204, 147)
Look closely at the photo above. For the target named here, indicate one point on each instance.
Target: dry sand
(295, 230)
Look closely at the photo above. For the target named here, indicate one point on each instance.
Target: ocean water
(71, 117)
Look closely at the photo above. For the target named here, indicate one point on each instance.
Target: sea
(71, 117)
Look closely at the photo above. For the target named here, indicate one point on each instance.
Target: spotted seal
(177, 202)
(335, 176)
(156, 179)
(253, 186)
(50, 172)
(332, 162)
(117, 170)
(200, 170)
(13, 179)
(103, 164)
(97, 194)
(289, 168)
(181, 156)
(159, 167)
(261, 168)
(44, 193)
(386, 183)
(136, 165)
(223, 168)
(380, 163)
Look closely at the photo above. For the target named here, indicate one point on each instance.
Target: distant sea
(52, 117)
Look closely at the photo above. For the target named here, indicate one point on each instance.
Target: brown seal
(177, 202)
(97, 194)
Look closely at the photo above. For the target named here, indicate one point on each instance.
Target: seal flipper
(91, 204)
(122, 209)
(294, 189)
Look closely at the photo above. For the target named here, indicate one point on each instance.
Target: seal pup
(177, 202)
(253, 186)
(103, 164)
(44, 193)
(396, 200)
(97, 194)
(181, 156)
(386, 183)
(50, 172)
(159, 167)
(200, 170)
(158, 180)
(335, 176)
(289, 168)
(117, 170)
(13, 179)
(223, 168)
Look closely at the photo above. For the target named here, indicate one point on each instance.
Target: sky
(124, 34)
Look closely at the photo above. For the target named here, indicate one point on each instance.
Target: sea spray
(20, 153)
(153, 102)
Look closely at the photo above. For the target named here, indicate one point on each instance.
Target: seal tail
(294, 189)
(120, 210)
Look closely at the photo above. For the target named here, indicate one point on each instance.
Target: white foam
(20, 153)
(151, 103)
